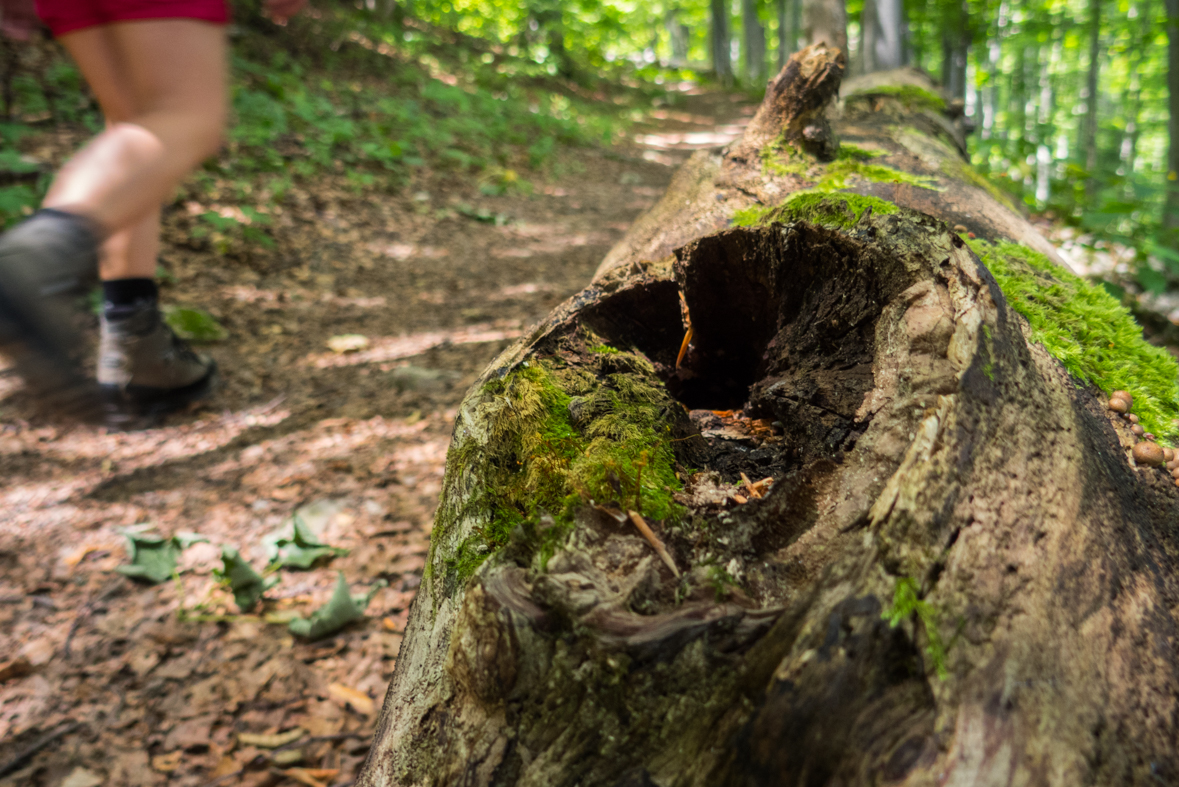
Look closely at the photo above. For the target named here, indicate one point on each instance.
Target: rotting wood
(955, 575)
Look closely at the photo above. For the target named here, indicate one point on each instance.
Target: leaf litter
(164, 677)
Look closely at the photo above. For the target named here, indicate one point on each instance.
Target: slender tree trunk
(755, 44)
(1089, 138)
(1171, 206)
(955, 48)
(722, 52)
(677, 34)
(824, 21)
(785, 33)
(884, 33)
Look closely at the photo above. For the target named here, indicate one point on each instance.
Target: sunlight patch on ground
(288, 297)
(393, 348)
(691, 140)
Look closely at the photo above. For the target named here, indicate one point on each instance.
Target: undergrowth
(1085, 328)
(558, 438)
(906, 603)
(373, 108)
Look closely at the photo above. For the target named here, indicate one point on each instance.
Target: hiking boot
(43, 260)
(144, 369)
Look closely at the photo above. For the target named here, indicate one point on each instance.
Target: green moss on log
(833, 210)
(782, 158)
(906, 603)
(1085, 328)
(558, 437)
(912, 96)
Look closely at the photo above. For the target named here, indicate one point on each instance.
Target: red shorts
(66, 16)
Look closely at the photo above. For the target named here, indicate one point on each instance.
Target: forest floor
(105, 680)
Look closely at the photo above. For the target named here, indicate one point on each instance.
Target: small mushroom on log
(1123, 395)
(1131, 417)
(1147, 453)
(1118, 405)
(1138, 430)
(1169, 454)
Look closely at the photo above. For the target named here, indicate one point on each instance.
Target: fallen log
(950, 569)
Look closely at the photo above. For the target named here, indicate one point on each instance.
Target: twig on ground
(653, 540)
(63, 729)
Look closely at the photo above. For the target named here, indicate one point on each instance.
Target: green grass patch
(911, 96)
(1085, 328)
(560, 438)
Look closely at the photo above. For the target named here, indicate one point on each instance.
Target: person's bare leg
(132, 253)
(175, 72)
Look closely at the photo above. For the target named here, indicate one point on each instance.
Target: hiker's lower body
(161, 83)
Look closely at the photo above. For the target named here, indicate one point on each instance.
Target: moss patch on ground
(1085, 328)
(560, 437)
(829, 209)
(911, 96)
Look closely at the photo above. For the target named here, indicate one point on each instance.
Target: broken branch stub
(954, 576)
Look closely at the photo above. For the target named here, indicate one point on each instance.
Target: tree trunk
(755, 44)
(955, 49)
(677, 33)
(785, 33)
(883, 26)
(1171, 206)
(955, 576)
(1089, 138)
(722, 53)
(825, 22)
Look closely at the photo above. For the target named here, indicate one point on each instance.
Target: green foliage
(907, 603)
(153, 557)
(246, 584)
(301, 549)
(193, 325)
(1085, 328)
(340, 610)
(559, 439)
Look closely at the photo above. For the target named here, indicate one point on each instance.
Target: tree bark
(722, 52)
(883, 25)
(1171, 205)
(755, 44)
(785, 33)
(928, 463)
(825, 22)
(955, 49)
(1089, 138)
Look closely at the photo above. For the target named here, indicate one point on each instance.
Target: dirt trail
(439, 278)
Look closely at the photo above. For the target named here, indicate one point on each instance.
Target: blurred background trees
(1071, 100)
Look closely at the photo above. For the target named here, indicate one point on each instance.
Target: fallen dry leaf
(80, 777)
(311, 777)
(15, 668)
(359, 701)
(270, 741)
(347, 343)
(166, 763)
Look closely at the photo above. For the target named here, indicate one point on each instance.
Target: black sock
(124, 297)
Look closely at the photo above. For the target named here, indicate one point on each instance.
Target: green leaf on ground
(301, 549)
(241, 578)
(153, 557)
(193, 325)
(342, 608)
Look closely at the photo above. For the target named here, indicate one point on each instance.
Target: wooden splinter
(653, 540)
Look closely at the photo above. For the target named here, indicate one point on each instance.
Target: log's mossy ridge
(1084, 327)
(1080, 324)
(559, 437)
(781, 158)
(912, 96)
